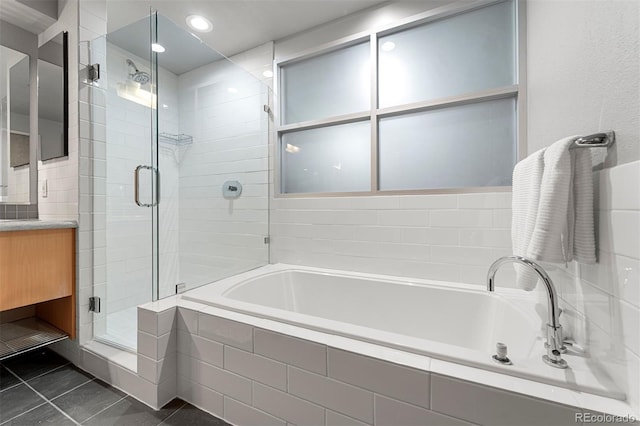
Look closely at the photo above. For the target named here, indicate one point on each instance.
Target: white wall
(62, 173)
(582, 75)
(220, 237)
(582, 69)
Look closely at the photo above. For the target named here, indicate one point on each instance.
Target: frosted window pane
(327, 85)
(328, 159)
(465, 53)
(456, 147)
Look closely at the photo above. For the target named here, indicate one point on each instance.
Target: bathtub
(457, 323)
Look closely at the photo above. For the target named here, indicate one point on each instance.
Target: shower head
(138, 76)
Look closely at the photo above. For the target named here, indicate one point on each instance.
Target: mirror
(15, 132)
(53, 109)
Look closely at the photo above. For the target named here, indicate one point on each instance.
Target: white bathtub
(452, 322)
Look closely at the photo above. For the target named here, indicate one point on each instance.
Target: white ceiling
(25, 17)
(239, 25)
(183, 51)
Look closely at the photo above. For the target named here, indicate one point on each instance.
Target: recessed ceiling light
(199, 23)
(388, 46)
(268, 73)
(232, 90)
(157, 48)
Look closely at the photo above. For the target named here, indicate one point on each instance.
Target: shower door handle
(136, 185)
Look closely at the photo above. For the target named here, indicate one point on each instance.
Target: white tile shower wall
(129, 226)
(169, 157)
(92, 154)
(93, 175)
(340, 387)
(221, 106)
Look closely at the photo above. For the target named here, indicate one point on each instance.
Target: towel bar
(597, 140)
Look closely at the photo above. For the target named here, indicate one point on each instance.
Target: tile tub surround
(41, 387)
(234, 367)
(418, 316)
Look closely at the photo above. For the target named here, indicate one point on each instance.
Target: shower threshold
(25, 335)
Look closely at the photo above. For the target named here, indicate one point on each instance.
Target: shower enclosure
(175, 128)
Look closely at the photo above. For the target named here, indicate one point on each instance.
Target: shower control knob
(231, 189)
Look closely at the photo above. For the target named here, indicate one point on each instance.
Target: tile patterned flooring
(42, 388)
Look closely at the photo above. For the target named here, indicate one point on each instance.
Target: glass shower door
(178, 127)
(126, 179)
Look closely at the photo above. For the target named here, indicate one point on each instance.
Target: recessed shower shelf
(173, 139)
(24, 335)
(177, 144)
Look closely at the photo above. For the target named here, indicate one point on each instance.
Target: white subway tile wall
(221, 106)
(601, 302)
(444, 237)
(217, 237)
(129, 227)
(91, 187)
(157, 355)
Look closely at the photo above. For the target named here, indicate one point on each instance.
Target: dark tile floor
(42, 388)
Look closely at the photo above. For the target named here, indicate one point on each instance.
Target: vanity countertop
(34, 224)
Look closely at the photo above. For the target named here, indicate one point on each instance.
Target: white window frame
(374, 114)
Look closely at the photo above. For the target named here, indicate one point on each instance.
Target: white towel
(527, 181)
(553, 208)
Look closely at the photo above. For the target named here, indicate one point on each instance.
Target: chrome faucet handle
(554, 343)
(555, 347)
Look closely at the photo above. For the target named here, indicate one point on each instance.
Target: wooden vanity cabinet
(37, 267)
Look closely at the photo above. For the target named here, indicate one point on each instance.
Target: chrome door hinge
(94, 304)
(93, 72)
(267, 240)
(181, 287)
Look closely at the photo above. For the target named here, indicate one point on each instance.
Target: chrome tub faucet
(554, 344)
